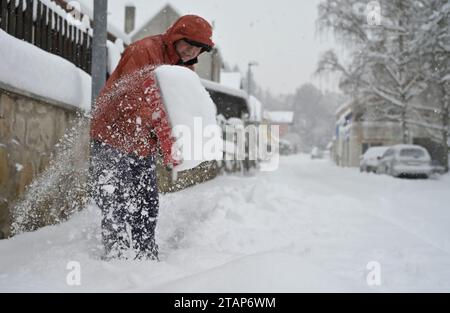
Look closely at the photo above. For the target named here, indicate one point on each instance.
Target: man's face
(186, 51)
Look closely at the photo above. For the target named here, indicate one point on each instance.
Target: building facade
(354, 135)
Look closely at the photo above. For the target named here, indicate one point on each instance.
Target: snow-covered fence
(47, 25)
(53, 26)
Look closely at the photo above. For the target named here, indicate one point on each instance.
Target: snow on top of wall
(282, 117)
(190, 109)
(31, 69)
(234, 121)
(224, 89)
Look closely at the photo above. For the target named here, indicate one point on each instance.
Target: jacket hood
(190, 27)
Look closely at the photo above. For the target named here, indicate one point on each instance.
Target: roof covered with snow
(344, 107)
(145, 11)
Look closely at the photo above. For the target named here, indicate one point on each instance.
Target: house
(354, 137)
(284, 119)
(356, 131)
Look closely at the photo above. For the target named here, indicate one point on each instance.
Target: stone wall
(29, 129)
(167, 182)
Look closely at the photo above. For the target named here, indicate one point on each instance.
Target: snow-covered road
(309, 226)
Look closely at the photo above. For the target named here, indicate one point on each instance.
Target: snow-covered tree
(386, 70)
(433, 47)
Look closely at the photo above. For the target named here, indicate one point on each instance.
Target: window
(365, 147)
(414, 153)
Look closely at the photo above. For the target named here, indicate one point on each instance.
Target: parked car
(286, 147)
(316, 153)
(370, 160)
(408, 160)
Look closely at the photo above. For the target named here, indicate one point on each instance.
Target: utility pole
(98, 61)
(99, 52)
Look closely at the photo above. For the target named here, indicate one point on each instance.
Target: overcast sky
(279, 34)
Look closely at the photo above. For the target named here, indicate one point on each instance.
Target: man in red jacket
(128, 127)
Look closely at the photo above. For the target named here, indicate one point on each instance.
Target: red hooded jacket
(129, 114)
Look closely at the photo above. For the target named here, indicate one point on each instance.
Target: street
(308, 226)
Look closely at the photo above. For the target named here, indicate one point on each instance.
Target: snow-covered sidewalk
(309, 226)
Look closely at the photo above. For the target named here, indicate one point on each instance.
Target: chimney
(130, 18)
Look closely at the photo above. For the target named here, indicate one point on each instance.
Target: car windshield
(414, 153)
